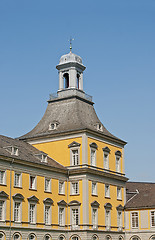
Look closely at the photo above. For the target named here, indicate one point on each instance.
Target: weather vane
(70, 40)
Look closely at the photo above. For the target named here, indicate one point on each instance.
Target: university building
(65, 179)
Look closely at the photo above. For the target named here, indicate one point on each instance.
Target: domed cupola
(70, 72)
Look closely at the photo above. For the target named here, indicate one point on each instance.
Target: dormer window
(12, 150)
(53, 126)
(99, 127)
(42, 157)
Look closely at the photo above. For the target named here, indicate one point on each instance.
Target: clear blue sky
(115, 38)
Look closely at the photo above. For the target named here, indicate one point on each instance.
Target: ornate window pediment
(120, 207)
(106, 149)
(108, 206)
(33, 199)
(62, 203)
(74, 203)
(18, 196)
(3, 195)
(118, 153)
(95, 204)
(48, 201)
(93, 145)
(74, 144)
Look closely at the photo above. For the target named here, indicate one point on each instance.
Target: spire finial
(70, 40)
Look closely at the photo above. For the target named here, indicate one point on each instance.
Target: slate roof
(140, 195)
(26, 152)
(71, 114)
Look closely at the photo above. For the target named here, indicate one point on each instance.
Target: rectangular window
(61, 216)
(2, 177)
(107, 219)
(47, 185)
(134, 219)
(75, 157)
(119, 220)
(75, 188)
(61, 187)
(107, 191)
(1, 210)
(17, 212)
(75, 217)
(32, 182)
(47, 215)
(119, 193)
(117, 164)
(32, 213)
(93, 157)
(17, 180)
(94, 188)
(153, 219)
(106, 161)
(94, 217)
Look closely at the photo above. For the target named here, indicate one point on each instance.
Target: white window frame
(107, 191)
(119, 220)
(34, 213)
(74, 221)
(19, 179)
(61, 187)
(2, 177)
(47, 206)
(133, 218)
(47, 189)
(75, 157)
(94, 188)
(152, 218)
(15, 210)
(106, 160)
(34, 184)
(93, 158)
(75, 188)
(94, 220)
(61, 216)
(108, 219)
(118, 163)
(3, 210)
(119, 193)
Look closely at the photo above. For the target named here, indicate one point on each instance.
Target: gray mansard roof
(70, 111)
(25, 153)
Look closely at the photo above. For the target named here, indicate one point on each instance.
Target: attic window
(99, 127)
(53, 126)
(12, 150)
(42, 157)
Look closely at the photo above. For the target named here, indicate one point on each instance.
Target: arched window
(95, 237)
(47, 237)
(61, 237)
(135, 238)
(120, 238)
(31, 237)
(16, 236)
(153, 237)
(66, 80)
(75, 238)
(108, 237)
(1, 236)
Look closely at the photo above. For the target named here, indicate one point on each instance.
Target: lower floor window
(47, 214)
(1, 236)
(31, 237)
(75, 217)
(1, 211)
(16, 237)
(94, 217)
(61, 216)
(32, 214)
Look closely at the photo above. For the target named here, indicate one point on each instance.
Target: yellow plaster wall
(59, 150)
(100, 198)
(99, 154)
